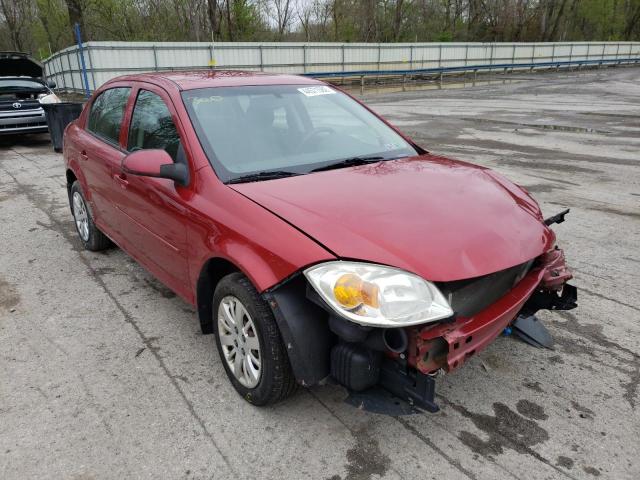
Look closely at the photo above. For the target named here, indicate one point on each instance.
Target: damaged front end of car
(404, 360)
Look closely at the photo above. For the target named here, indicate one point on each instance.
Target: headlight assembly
(377, 296)
(48, 98)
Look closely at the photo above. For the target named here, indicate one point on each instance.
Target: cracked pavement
(105, 374)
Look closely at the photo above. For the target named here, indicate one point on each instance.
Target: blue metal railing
(471, 68)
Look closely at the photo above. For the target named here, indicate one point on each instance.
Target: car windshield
(286, 129)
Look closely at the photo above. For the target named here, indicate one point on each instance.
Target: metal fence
(105, 60)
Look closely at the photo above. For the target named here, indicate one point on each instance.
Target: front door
(153, 210)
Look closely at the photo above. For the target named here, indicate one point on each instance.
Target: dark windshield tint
(295, 128)
(105, 118)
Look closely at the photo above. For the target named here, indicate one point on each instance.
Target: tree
(632, 25)
(75, 8)
(17, 16)
(213, 13)
(397, 21)
(281, 11)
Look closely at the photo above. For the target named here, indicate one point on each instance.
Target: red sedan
(314, 238)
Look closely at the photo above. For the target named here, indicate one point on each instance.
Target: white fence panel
(580, 51)
(106, 60)
(248, 58)
(323, 56)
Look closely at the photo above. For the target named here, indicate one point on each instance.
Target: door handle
(121, 180)
(83, 155)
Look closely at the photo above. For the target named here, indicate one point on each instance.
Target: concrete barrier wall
(106, 60)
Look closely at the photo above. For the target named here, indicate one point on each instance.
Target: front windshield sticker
(314, 91)
(205, 100)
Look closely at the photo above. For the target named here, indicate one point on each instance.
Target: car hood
(16, 64)
(442, 219)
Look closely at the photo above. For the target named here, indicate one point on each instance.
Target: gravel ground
(104, 372)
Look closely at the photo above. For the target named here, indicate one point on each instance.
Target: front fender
(304, 329)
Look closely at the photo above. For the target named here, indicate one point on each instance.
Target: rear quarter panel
(71, 150)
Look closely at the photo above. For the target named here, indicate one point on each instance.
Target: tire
(90, 236)
(275, 380)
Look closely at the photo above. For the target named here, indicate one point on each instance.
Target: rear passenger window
(152, 125)
(107, 111)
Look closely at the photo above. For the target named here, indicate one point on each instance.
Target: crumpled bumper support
(444, 347)
(448, 346)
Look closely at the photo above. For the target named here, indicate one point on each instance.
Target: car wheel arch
(302, 324)
(74, 173)
(71, 177)
(212, 271)
(263, 274)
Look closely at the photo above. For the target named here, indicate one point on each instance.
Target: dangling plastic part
(531, 330)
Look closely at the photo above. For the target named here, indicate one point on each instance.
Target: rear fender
(71, 153)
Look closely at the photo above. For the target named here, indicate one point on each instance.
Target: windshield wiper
(349, 162)
(256, 177)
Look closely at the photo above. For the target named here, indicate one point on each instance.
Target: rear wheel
(249, 343)
(92, 238)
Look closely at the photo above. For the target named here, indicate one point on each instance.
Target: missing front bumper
(448, 346)
(444, 347)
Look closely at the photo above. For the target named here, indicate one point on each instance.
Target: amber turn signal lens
(351, 291)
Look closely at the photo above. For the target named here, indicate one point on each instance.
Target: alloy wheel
(239, 340)
(81, 216)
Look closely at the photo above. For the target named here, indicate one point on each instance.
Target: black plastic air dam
(355, 366)
(364, 371)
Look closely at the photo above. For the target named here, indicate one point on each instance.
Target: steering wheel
(315, 133)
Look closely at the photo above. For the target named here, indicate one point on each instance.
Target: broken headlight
(377, 296)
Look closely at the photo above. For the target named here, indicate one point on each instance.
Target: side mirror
(155, 163)
(51, 84)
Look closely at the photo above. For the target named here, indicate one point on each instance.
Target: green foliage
(246, 20)
(44, 26)
(445, 37)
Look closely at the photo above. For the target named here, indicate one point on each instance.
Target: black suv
(22, 93)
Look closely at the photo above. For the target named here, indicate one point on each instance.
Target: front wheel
(249, 343)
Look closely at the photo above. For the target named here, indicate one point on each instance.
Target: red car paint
(171, 230)
(438, 218)
(467, 336)
(138, 163)
(442, 219)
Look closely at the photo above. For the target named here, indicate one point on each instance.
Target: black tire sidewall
(237, 285)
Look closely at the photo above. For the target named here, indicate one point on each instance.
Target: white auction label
(315, 91)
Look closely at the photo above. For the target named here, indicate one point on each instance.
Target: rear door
(152, 211)
(100, 154)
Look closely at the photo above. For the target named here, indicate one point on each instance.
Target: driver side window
(152, 125)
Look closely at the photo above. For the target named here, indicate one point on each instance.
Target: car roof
(192, 79)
